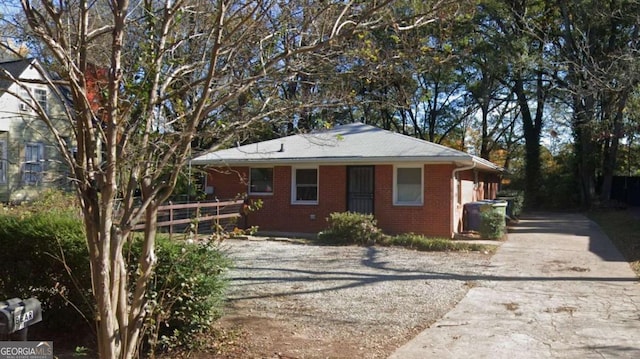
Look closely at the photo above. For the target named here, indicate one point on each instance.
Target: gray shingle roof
(15, 68)
(352, 143)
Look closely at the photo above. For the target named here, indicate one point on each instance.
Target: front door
(360, 189)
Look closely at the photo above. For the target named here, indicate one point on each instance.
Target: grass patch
(346, 228)
(414, 241)
(424, 244)
(623, 228)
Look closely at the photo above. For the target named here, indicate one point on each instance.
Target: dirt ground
(261, 337)
(298, 301)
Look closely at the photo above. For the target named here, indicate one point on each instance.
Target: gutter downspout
(454, 200)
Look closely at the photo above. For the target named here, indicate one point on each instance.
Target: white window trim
(44, 104)
(294, 184)
(395, 186)
(39, 174)
(5, 163)
(261, 193)
(25, 102)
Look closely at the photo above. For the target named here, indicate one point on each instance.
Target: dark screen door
(360, 189)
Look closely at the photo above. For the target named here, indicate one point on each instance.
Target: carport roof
(347, 144)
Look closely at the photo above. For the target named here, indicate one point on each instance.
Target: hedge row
(44, 255)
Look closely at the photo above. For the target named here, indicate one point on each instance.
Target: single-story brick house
(408, 184)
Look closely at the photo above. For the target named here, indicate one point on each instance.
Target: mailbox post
(16, 315)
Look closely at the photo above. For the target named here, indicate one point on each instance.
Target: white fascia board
(487, 165)
(331, 161)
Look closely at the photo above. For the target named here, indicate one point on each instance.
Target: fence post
(170, 220)
(217, 215)
(197, 229)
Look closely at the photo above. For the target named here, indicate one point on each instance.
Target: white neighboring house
(29, 158)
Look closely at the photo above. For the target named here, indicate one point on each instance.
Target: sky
(8, 8)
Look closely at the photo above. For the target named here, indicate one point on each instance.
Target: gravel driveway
(306, 301)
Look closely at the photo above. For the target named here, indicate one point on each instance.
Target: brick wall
(279, 214)
(431, 219)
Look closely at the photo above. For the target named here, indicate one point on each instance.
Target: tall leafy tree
(599, 46)
(484, 70)
(140, 78)
(402, 79)
(516, 33)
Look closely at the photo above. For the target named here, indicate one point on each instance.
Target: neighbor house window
(408, 186)
(41, 97)
(3, 162)
(33, 163)
(305, 185)
(25, 101)
(261, 180)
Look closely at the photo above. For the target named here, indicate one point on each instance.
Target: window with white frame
(3, 161)
(33, 163)
(305, 186)
(408, 186)
(41, 97)
(25, 103)
(261, 180)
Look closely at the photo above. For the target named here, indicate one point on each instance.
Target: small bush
(351, 228)
(186, 293)
(492, 223)
(421, 243)
(360, 229)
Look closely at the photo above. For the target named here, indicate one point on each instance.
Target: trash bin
(510, 209)
(471, 216)
(498, 206)
(493, 219)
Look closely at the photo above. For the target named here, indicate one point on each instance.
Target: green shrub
(492, 223)
(186, 293)
(351, 228)
(360, 229)
(44, 256)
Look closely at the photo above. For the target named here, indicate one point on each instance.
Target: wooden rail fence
(199, 213)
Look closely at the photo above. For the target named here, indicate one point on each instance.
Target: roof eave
(462, 160)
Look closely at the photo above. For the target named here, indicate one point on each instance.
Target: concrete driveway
(557, 288)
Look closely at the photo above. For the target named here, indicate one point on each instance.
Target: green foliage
(515, 200)
(44, 255)
(492, 222)
(188, 185)
(48, 201)
(424, 244)
(351, 228)
(186, 293)
(558, 184)
(360, 229)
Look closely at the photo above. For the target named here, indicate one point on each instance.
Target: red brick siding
(228, 182)
(431, 219)
(278, 214)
